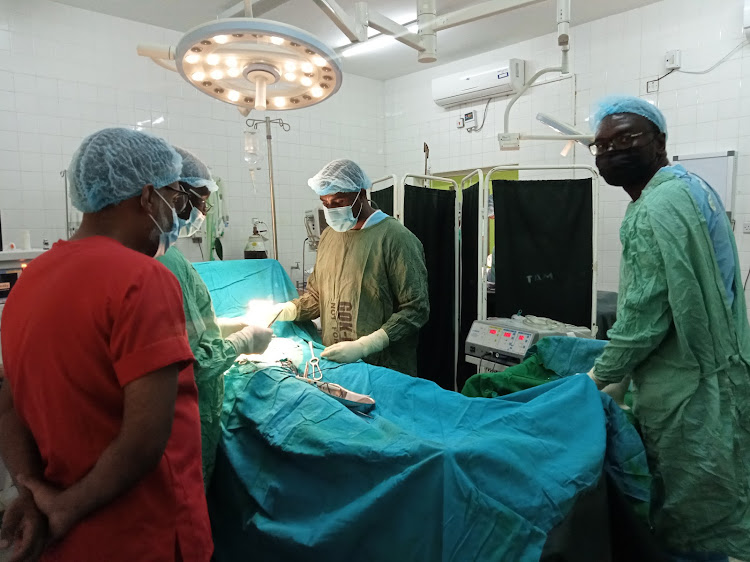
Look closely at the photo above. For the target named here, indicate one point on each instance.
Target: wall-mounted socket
(673, 60)
(746, 228)
(652, 86)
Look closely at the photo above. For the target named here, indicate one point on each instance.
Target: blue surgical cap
(194, 172)
(114, 164)
(339, 176)
(628, 104)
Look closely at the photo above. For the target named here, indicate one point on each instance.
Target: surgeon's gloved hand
(230, 325)
(251, 339)
(351, 351)
(599, 384)
(286, 312)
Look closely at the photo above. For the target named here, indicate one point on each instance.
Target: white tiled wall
(66, 72)
(619, 54)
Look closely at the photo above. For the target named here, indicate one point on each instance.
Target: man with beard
(682, 334)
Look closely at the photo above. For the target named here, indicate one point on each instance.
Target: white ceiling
(390, 62)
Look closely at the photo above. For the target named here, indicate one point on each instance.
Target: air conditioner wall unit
(502, 79)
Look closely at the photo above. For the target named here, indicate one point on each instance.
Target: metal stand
(285, 127)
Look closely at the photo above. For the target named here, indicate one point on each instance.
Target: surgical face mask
(629, 167)
(169, 237)
(194, 222)
(342, 219)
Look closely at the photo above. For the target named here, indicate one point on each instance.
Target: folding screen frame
(483, 235)
(483, 250)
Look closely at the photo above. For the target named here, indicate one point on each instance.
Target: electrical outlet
(652, 86)
(673, 60)
(746, 228)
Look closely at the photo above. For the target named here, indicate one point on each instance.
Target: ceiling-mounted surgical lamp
(568, 132)
(559, 126)
(253, 63)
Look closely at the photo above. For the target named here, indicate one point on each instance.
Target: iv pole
(286, 128)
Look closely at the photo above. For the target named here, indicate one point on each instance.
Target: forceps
(311, 366)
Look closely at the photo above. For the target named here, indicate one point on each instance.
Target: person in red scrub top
(99, 423)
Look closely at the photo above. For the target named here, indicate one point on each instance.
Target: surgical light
(306, 81)
(253, 56)
(563, 128)
(557, 125)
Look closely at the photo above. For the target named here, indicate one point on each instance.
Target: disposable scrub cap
(628, 104)
(339, 176)
(113, 165)
(195, 172)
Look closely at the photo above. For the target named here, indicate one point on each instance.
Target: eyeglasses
(181, 200)
(622, 142)
(202, 203)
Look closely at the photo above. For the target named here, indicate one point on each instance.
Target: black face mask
(628, 167)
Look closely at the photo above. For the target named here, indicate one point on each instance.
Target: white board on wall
(719, 170)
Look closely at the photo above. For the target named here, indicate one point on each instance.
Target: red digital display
(521, 338)
(493, 332)
(507, 334)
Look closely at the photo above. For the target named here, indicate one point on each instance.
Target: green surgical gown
(213, 354)
(689, 353)
(369, 279)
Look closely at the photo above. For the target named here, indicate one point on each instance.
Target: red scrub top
(85, 319)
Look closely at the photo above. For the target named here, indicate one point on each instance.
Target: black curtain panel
(543, 249)
(429, 214)
(383, 199)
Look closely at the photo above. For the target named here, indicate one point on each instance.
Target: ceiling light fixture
(374, 43)
(246, 59)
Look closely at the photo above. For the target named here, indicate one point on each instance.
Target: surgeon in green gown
(215, 343)
(369, 285)
(682, 333)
